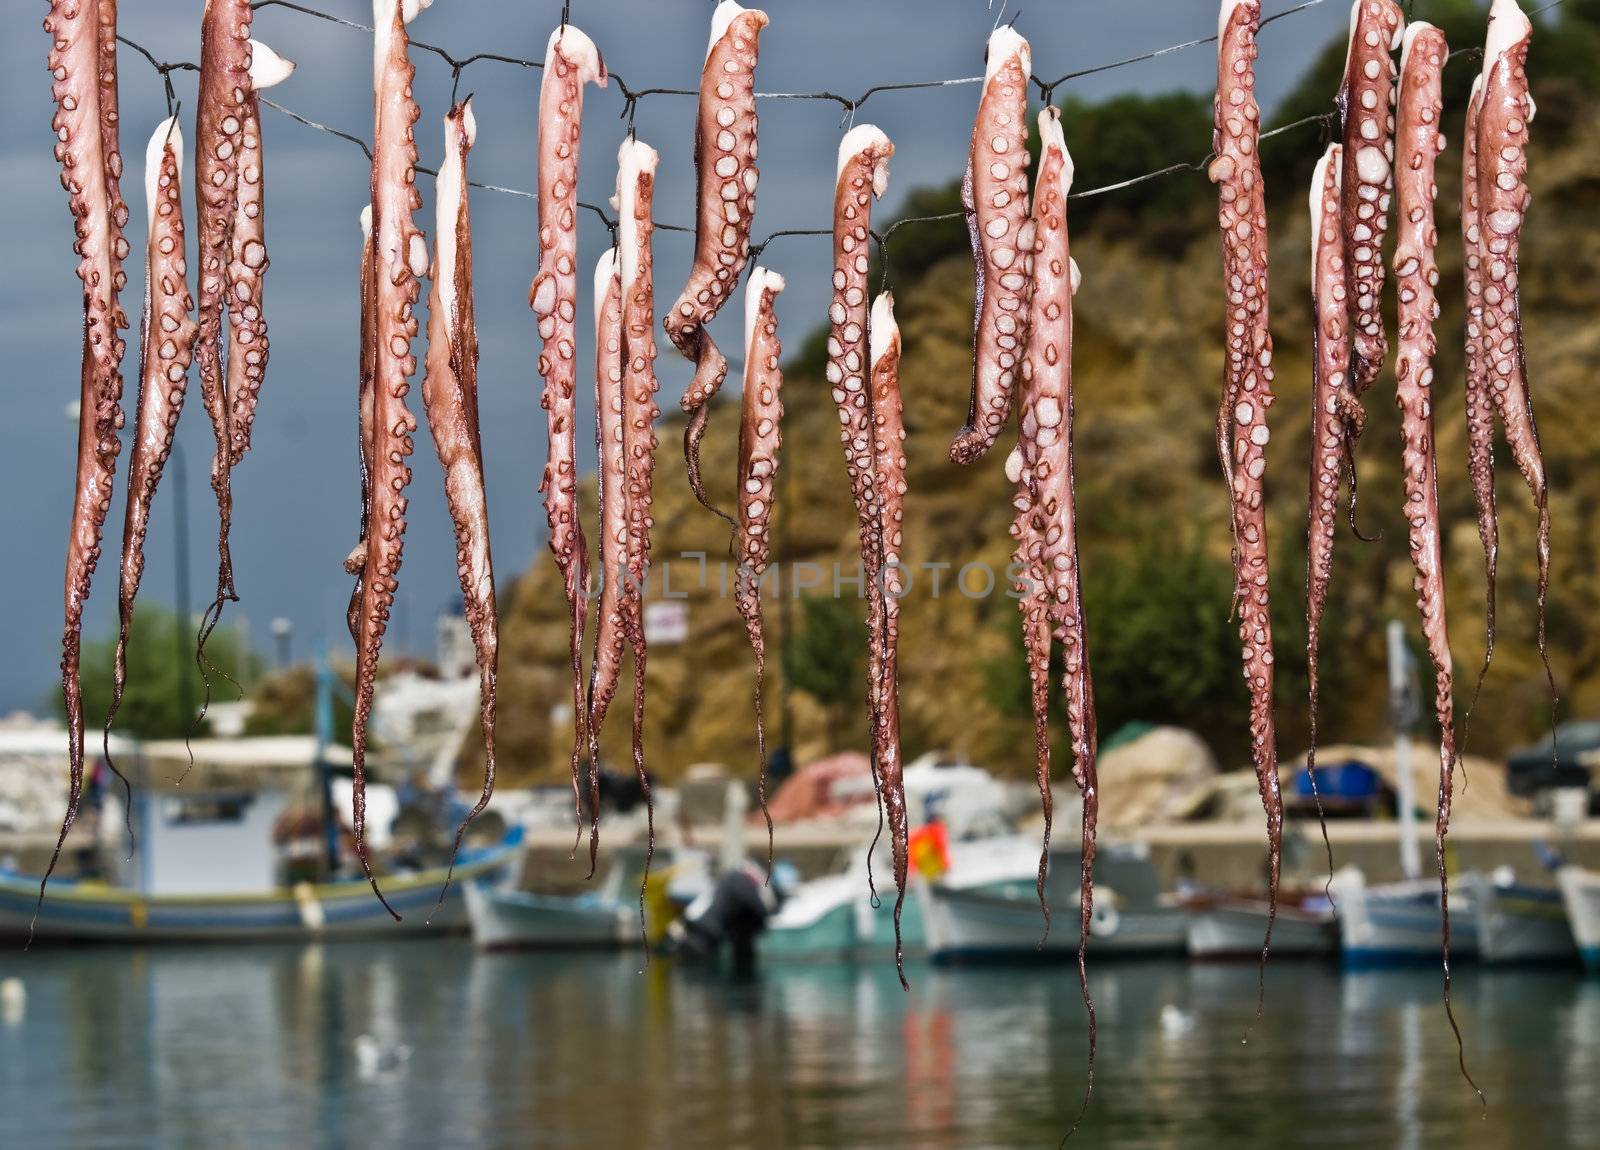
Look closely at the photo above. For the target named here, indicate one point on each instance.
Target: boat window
(206, 809)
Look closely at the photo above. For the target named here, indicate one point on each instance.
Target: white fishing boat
(504, 919)
(1223, 925)
(999, 918)
(1402, 922)
(1520, 922)
(1580, 892)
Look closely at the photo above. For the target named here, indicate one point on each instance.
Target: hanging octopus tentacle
(887, 432)
(862, 176)
(400, 256)
(356, 562)
(87, 149)
(1416, 272)
(760, 437)
(1503, 194)
(995, 197)
(1366, 100)
(610, 639)
(166, 334)
(725, 150)
(247, 260)
(224, 84)
(1332, 429)
(450, 398)
(1045, 424)
(1248, 388)
(1480, 405)
(637, 162)
(571, 61)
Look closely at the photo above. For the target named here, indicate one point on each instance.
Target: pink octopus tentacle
(356, 562)
(1248, 383)
(1332, 430)
(725, 153)
(1046, 422)
(1416, 271)
(110, 131)
(247, 259)
(86, 144)
(862, 176)
(995, 196)
(605, 669)
(571, 61)
(1366, 100)
(1504, 197)
(760, 438)
(450, 397)
(400, 256)
(637, 162)
(219, 130)
(887, 434)
(1480, 405)
(166, 333)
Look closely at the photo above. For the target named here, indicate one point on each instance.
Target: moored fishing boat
(1402, 922)
(1580, 892)
(1223, 925)
(1520, 922)
(506, 919)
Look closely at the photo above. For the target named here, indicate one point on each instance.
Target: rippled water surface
(426, 1044)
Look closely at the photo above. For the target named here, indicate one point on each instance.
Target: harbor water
(427, 1044)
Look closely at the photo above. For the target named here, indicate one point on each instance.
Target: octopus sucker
(1247, 393)
(1366, 100)
(85, 125)
(1416, 271)
(887, 434)
(166, 333)
(450, 398)
(726, 174)
(571, 61)
(760, 438)
(862, 176)
(636, 168)
(1336, 418)
(400, 259)
(1046, 412)
(1505, 118)
(994, 196)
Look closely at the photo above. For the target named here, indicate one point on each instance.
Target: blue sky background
(296, 494)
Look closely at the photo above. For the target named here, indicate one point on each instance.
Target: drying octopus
(994, 197)
(1247, 392)
(863, 175)
(887, 431)
(356, 562)
(1494, 205)
(450, 398)
(625, 391)
(571, 60)
(1416, 272)
(166, 333)
(399, 260)
(232, 248)
(1335, 413)
(1366, 100)
(82, 61)
(725, 165)
(1046, 521)
(760, 437)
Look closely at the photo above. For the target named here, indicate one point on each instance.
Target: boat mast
(1404, 710)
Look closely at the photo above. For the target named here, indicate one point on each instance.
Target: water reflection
(427, 1044)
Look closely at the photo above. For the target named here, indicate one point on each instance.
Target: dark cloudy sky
(296, 494)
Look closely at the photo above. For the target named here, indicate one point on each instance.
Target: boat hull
(977, 925)
(1519, 923)
(1229, 930)
(88, 912)
(1401, 923)
(1580, 894)
(518, 920)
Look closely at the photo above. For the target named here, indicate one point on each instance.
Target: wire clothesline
(631, 97)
